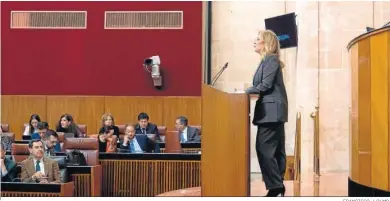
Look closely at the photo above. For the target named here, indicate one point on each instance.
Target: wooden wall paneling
(388, 63)
(85, 110)
(364, 119)
(91, 110)
(58, 105)
(126, 109)
(88, 110)
(182, 106)
(379, 111)
(17, 109)
(354, 153)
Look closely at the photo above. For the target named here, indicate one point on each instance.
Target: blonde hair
(105, 116)
(271, 45)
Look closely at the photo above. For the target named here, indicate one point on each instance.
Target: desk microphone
(219, 74)
(13, 180)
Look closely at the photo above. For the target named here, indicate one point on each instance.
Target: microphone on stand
(219, 74)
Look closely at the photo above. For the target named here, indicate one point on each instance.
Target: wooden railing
(82, 183)
(297, 149)
(316, 152)
(186, 150)
(297, 156)
(131, 178)
(316, 148)
(29, 194)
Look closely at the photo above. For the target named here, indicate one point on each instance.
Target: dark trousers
(271, 153)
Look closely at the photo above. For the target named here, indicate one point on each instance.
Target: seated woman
(33, 123)
(107, 140)
(108, 120)
(137, 143)
(67, 125)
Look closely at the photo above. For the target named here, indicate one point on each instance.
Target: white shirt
(137, 148)
(5, 172)
(27, 131)
(184, 134)
(40, 165)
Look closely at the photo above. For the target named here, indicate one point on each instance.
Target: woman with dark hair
(33, 123)
(107, 140)
(67, 125)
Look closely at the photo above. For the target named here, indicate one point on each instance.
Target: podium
(225, 143)
(369, 115)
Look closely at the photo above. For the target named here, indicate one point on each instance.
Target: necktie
(132, 149)
(144, 131)
(37, 167)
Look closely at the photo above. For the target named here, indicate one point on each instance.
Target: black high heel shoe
(276, 192)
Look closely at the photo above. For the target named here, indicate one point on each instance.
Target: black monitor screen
(285, 28)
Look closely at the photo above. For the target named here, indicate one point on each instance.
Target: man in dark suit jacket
(138, 143)
(7, 166)
(187, 133)
(144, 127)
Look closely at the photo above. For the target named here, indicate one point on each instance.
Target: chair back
(172, 142)
(5, 128)
(20, 152)
(88, 146)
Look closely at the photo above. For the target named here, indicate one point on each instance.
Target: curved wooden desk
(370, 115)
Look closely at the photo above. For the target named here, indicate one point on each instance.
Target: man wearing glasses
(51, 143)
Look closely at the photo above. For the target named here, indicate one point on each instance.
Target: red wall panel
(95, 61)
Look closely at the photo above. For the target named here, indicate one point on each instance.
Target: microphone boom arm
(219, 74)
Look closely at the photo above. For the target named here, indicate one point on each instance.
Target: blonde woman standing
(271, 112)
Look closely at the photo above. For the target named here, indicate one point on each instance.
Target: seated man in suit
(187, 133)
(38, 168)
(42, 128)
(138, 143)
(144, 127)
(8, 166)
(51, 143)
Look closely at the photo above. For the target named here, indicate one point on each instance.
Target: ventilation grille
(143, 20)
(48, 19)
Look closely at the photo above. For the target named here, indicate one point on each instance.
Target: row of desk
(186, 147)
(121, 174)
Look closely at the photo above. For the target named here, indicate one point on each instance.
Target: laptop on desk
(26, 137)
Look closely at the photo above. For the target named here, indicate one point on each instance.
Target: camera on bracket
(152, 65)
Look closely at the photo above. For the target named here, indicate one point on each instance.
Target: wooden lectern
(370, 116)
(225, 143)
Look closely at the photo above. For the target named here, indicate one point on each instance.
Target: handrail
(297, 148)
(316, 149)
